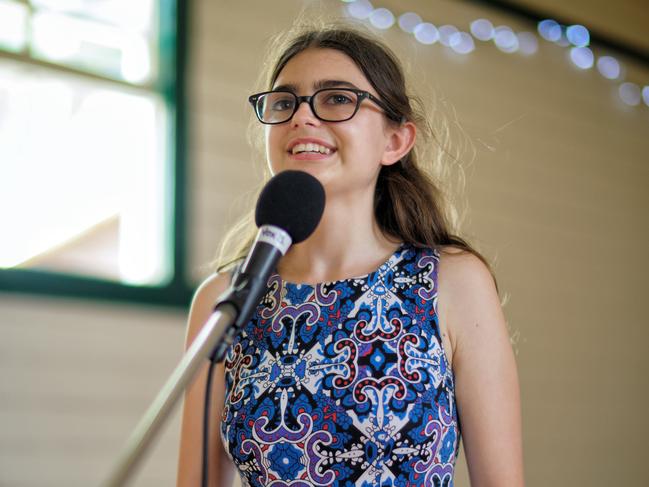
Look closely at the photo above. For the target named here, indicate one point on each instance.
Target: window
(89, 164)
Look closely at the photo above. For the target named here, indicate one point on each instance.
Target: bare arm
(221, 469)
(486, 379)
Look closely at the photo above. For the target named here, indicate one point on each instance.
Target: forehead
(306, 69)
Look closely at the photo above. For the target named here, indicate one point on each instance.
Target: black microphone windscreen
(293, 201)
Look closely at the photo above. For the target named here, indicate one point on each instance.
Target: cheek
(365, 141)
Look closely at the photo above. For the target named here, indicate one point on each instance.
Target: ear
(400, 140)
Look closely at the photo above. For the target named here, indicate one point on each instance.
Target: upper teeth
(310, 148)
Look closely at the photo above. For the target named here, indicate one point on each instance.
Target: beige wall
(557, 180)
(75, 377)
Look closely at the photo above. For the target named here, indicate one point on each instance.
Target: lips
(310, 146)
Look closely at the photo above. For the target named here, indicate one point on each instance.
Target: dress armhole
(441, 325)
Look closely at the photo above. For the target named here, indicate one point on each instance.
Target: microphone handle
(249, 284)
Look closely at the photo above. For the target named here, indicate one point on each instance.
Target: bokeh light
(409, 21)
(360, 9)
(482, 29)
(578, 35)
(445, 33)
(582, 57)
(382, 18)
(426, 33)
(630, 93)
(462, 43)
(505, 39)
(550, 30)
(609, 67)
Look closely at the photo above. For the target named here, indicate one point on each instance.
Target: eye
(282, 104)
(339, 98)
(277, 101)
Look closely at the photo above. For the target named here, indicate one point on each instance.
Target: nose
(304, 115)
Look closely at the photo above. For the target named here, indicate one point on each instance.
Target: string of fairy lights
(575, 38)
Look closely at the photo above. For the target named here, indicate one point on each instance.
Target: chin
(318, 169)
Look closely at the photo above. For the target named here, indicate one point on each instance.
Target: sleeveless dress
(344, 383)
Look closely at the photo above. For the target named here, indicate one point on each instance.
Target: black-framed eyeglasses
(327, 104)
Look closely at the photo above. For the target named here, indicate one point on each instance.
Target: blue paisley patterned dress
(344, 383)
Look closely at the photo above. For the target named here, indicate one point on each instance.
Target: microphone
(288, 210)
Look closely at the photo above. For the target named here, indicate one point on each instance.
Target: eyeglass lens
(331, 105)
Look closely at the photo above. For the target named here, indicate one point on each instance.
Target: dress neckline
(403, 247)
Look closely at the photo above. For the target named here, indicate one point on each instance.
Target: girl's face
(354, 150)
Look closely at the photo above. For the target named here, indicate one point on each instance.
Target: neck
(347, 243)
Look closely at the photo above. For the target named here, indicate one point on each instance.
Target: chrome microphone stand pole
(217, 331)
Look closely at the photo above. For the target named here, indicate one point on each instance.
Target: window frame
(172, 48)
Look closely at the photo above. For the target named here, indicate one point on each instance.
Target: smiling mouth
(310, 148)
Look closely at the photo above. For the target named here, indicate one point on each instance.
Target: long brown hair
(408, 204)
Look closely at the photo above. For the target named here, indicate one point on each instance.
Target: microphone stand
(234, 308)
(288, 211)
(215, 332)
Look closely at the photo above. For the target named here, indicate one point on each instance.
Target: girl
(381, 338)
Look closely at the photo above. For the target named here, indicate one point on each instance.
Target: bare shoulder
(460, 269)
(212, 287)
(467, 296)
(204, 300)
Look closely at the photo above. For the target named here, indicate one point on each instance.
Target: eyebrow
(318, 85)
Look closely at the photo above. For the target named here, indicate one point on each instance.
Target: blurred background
(123, 160)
